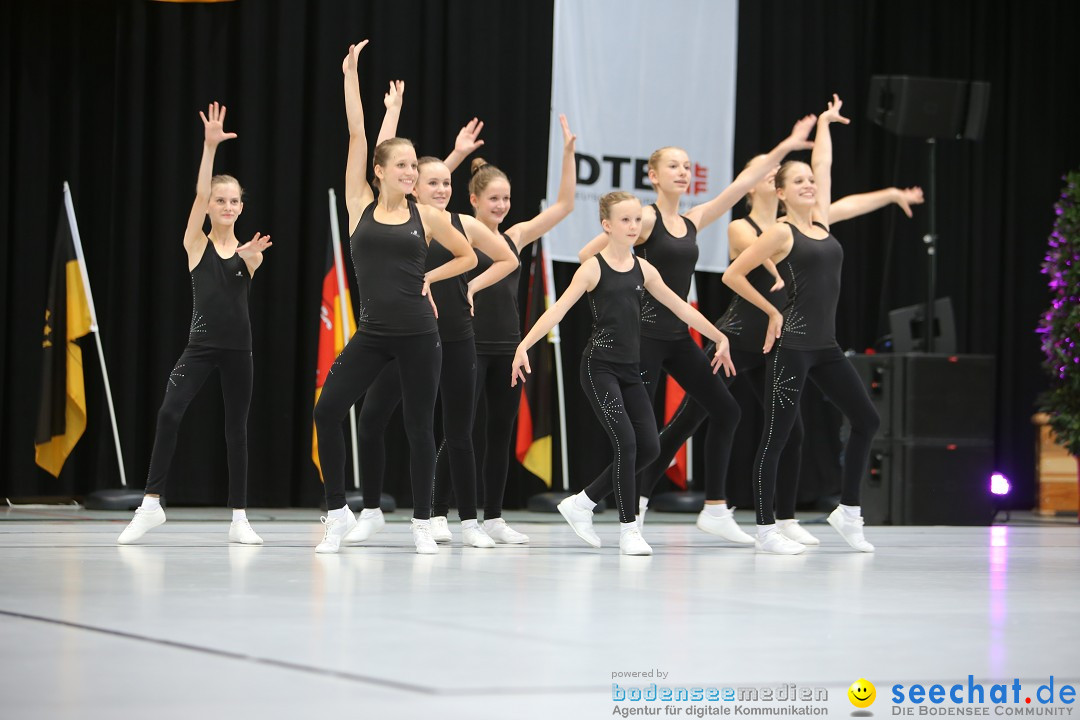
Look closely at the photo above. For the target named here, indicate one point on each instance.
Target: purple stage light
(999, 484)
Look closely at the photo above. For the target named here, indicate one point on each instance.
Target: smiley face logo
(862, 693)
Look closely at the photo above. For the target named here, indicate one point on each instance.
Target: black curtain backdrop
(106, 95)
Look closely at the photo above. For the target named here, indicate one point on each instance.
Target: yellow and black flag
(62, 414)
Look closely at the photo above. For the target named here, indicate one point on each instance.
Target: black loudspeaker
(908, 333)
(931, 461)
(929, 107)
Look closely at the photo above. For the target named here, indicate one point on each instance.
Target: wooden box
(1056, 473)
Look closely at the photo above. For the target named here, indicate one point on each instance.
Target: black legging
(419, 358)
(186, 378)
(750, 369)
(688, 364)
(494, 427)
(456, 383)
(621, 403)
(786, 372)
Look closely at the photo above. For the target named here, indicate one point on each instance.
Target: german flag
(333, 314)
(534, 428)
(62, 413)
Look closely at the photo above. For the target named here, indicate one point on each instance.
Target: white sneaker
(724, 526)
(475, 536)
(500, 532)
(580, 520)
(851, 529)
(370, 522)
(336, 529)
(421, 535)
(776, 544)
(792, 530)
(240, 532)
(631, 543)
(440, 529)
(143, 522)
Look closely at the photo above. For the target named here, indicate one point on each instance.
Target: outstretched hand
(800, 132)
(349, 63)
(906, 197)
(392, 99)
(254, 246)
(722, 358)
(832, 113)
(466, 142)
(521, 362)
(568, 137)
(214, 125)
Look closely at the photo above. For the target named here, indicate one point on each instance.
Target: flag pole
(335, 235)
(124, 499)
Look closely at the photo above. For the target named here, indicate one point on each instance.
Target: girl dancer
(220, 335)
(395, 321)
(745, 327)
(616, 281)
(497, 324)
(457, 380)
(668, 240)
(805, 338)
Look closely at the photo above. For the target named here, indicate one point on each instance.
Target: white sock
(338, 514)
(468, 524)
(582, 501)
(150, 503)
(417, 522)
(785, 523)
(852, 512)
(642, 505)
(627, 527)
(717, 510)
(239, 514)
(488, 524)
(368, 513)
(763, 530)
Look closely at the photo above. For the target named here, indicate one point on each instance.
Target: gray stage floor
(185, 625)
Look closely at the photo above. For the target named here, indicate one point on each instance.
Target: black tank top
(219, 302)
(675, 259)
(452, 294)
(616, 309)
(389, 262)
(742, 322)
(813, 267)
(495, 319)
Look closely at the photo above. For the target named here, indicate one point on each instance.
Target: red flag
(677, 471)
(331, 338)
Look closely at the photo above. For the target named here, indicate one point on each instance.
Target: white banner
(632, 76)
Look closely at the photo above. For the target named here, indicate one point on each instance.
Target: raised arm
(213, 135)
(774, 242)
(358, 193)
(584, 280)
(530, 230)
(503, 259)
(593, 247)
(465, 144)
(709, 212)
(392, 100)
(821, 157)
(686, 312)
(852, 206)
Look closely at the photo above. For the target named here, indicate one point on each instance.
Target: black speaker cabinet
(933, 455)
(928, 482)
(929, 107)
